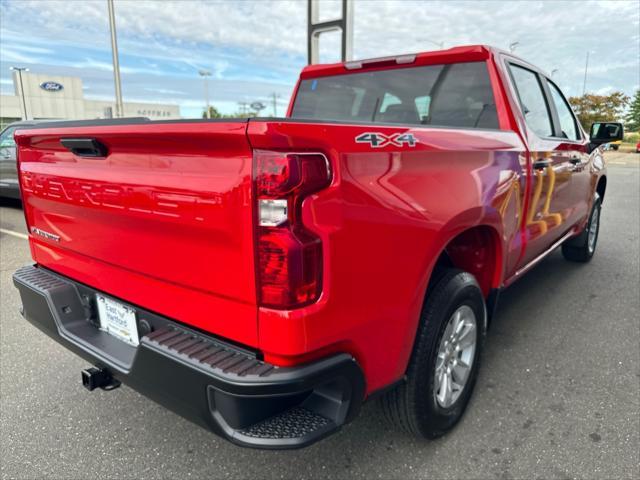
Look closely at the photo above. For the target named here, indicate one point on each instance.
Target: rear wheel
(583, 247)
(444, 364)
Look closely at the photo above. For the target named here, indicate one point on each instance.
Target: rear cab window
(455, 95)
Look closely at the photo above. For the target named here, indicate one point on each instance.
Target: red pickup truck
(263, 277)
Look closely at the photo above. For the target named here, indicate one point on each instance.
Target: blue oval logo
(51, 86)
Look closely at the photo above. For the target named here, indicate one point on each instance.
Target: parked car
(615, 145)
(638, 147)
(9, 187)
(264, 277)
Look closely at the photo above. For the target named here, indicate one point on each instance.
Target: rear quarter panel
(385, 219)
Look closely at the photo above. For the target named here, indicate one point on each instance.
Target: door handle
(541, 164)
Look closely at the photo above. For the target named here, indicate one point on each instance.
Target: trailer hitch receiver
(94, 377)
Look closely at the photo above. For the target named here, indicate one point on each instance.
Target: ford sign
(51, 86)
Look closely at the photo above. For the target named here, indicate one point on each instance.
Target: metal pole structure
(586, 67)
(315, 27)
(205, 74)
(275, 105)
(24, 102)
(347, 30)
(512, 46)
(116, 62)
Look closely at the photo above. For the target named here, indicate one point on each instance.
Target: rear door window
(456, 95)
(532, 100)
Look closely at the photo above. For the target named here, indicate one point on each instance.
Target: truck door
(572, 145)
(550, 197)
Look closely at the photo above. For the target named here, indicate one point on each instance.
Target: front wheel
(445, 361)
(583, 247)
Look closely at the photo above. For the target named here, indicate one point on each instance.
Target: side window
(388, 100)
(422, 106)
(567, 120)
(532, 101)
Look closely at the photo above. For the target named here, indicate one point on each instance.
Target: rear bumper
(217, 385)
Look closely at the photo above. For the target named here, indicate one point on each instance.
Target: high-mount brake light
(289, 255)
(380, 62)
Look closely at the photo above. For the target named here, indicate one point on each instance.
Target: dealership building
(62, 98)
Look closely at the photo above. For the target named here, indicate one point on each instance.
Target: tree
(213, 113)
(632, 120)
(592, 108)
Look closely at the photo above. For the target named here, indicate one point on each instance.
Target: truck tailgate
(164, 220)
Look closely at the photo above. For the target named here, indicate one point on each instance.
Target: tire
(583, 247)
(413, 406)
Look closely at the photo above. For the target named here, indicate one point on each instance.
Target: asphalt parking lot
(558, 394)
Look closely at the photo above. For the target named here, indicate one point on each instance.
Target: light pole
(586, 67)
(116, 62)
(553, 72)
(24, 102)
(274, 97)
(205, 74)
(512, 46)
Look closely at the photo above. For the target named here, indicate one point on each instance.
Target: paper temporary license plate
(118, 320)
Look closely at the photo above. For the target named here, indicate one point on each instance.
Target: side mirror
(605, 132)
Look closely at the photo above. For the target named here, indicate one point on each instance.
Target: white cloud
(264, 42)
(605, 90)
(108, 67)
(10, 56)
(165, 91)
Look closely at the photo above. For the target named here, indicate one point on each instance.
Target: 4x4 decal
(377, 140)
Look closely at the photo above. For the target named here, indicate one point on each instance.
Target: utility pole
(24, 102)
(512, 46)
(275, 97)
(586, 67)
(116, 62)
(205, 74)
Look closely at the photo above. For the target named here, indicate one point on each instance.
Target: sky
(256, 48)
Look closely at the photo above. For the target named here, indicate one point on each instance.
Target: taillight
(289, 255)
